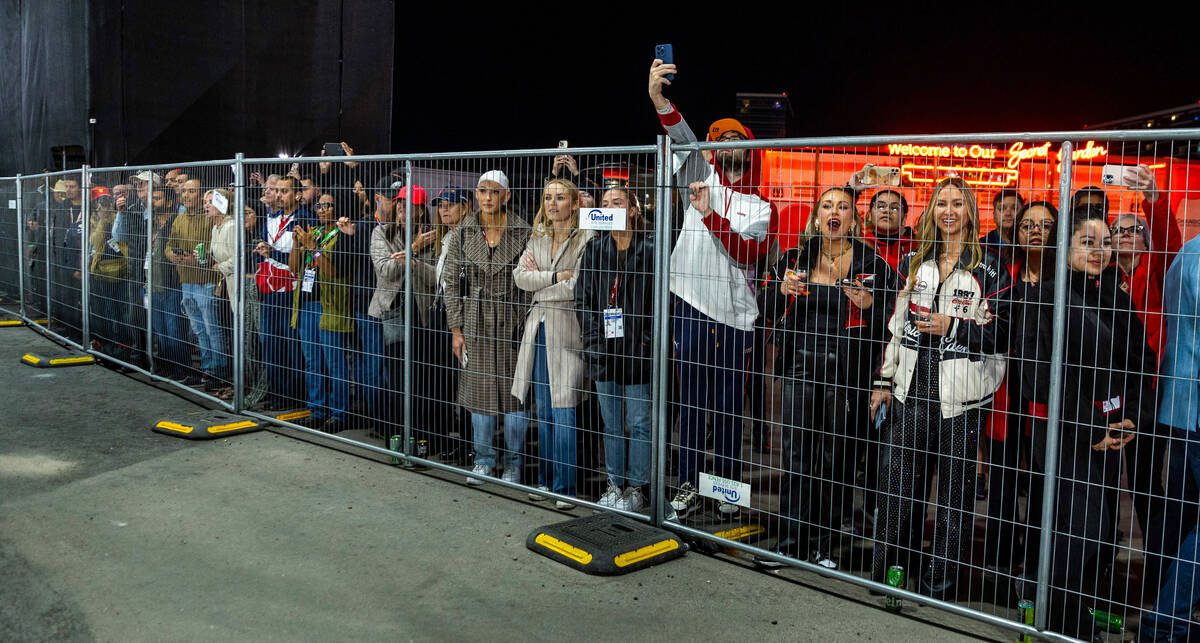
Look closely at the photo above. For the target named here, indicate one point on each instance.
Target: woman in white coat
(551, 356)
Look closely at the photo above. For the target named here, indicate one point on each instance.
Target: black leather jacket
(859, 341)
(624, 360)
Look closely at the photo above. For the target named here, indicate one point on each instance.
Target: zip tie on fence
(207, 425)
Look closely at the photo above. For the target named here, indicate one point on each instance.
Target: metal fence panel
(10, 248)
(758, 363)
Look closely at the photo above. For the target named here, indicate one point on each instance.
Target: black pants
(819, 420)
(435, 388)
(1003, 541)
(1082, 521)
(1144, 461)
(917, 440)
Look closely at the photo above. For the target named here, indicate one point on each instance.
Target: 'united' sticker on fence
(602, 218)
(719, 488)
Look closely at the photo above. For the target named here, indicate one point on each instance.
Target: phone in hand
(666, 54)
(562, 145)
(334, 149)
(1120, 175)
(880, 416)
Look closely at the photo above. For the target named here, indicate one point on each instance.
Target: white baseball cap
(496, 176)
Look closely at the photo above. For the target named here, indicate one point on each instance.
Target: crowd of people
(902, 354)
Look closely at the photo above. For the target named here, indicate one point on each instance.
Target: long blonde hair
(542, 226)
(928, 234)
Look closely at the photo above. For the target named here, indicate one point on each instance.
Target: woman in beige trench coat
(550, 357)
(485, 320)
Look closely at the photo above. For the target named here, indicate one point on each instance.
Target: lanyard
(612, 295)
(320, 245)
(283, 223)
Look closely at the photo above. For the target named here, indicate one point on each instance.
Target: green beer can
(1025, 609)
(895, 578)
(394, 443)
(201, 254)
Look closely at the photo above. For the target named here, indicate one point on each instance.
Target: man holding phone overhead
(727, 227)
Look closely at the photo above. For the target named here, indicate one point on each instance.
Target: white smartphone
(1120, 175)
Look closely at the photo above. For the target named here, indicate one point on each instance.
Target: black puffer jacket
(1108, 369)
(624, 360)
(859, 340)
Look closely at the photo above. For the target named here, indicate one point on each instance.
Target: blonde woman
(550, 357)
(223, 247)
(945, 359)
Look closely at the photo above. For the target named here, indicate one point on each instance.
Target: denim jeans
(1169, 621)
(107, 306)
(368, 362)
(200, 307)
(169, 329)
(622, 405)
(280, 349)
(515, 425)
(556, 428)
(308, 323)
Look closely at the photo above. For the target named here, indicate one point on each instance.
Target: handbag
(392, 323)
(271, 278)
(438, 317)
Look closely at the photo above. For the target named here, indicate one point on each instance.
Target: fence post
(408, 352)
(659, 430)
(239, 278)
(48, 259)
(20, 251)
(85, 247)
(1054, 410)
(148, 270)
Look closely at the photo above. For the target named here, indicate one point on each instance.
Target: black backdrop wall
(43, 81)
(188, 81)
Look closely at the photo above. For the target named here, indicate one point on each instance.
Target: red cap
(418, 194)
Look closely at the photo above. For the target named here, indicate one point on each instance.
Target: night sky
(489, 83)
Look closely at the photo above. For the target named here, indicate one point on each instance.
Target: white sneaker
(686, 500)
(538, 497)
(563, 504)
(512, 475)
(611, 497)
(632, 500)
(728, 509)
(479, 470)
(821, 558)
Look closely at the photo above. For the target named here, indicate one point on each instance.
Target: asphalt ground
(111, 532)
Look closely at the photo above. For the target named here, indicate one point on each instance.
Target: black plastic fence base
(206, 425)
(605, 544)
(57, 359)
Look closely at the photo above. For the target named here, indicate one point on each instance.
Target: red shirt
(892, 249)
(1145, 284)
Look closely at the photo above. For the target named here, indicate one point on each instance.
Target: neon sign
(1016, 153)
(957, 151)
(992, 177)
